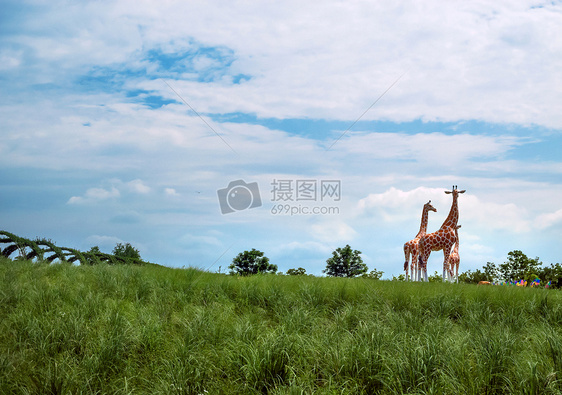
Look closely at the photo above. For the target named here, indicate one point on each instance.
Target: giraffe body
(443, 239)
(411, 247)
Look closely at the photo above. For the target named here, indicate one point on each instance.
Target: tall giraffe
(443, 239)
(411, 247)
(454, 258)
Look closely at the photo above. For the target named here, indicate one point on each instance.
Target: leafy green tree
(95, 250)
(401, 277)
(251, 262)
(518, 266)
(474, 277)
(374, 274)
(552, 273)
(491, 272)
(345, 262)
(296, 272)
(126, 251)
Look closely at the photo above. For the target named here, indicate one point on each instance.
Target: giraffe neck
(453, 216)
(423, 225)
(456, 247)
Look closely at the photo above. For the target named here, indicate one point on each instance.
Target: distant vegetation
(251, 262)
(345, 262)
(146, 329)
(517, 267)
(45, 250)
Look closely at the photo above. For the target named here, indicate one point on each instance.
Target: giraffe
(454, 258)
(411, 247)
(443, 239)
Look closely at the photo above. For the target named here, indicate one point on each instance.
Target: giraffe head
(455, 191)
(429, 207)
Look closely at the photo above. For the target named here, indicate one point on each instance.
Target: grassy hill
(136, 329)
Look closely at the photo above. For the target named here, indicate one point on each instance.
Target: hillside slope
(151, 329)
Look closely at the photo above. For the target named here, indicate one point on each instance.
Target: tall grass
(148, 329)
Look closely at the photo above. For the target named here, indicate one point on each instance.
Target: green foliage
(473, 277)
(374, 274)
(518, 266)
(435, 278)
(489, 273)
(126, 251)
(552, 273)
(45, 250)
(296, 272)
(345, 262)
(251, 262)
(153, 330)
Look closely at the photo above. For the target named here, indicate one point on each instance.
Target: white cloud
(138, 186)
(547, 220)
(332, 231)
(93, 195)
(171, 192)
(436, 149)
(486, 61)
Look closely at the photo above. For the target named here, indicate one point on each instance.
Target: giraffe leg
(414, 266)
(457, 272)
(456, 277)
(420, 267)
(446, 264)
(407, 257)
(423, 265)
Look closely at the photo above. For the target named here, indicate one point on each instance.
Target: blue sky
(121, 120)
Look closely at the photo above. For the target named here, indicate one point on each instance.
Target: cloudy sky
(195, 130)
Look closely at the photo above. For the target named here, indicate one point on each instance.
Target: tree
(251, 262)
(474, 277)
(374, 274)
(95, 250)
(126, 251)
(491, 272)
(518, 266)
(345, 262)
(552, 273)
(296, 272)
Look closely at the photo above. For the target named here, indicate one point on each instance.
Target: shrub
(251, 262)
(345, 262)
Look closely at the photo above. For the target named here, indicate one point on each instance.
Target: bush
(126, 251)
(251, 262)
(296, 272)
(374, 274)
(345, 262)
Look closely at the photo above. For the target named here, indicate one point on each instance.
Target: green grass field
(155, 330)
